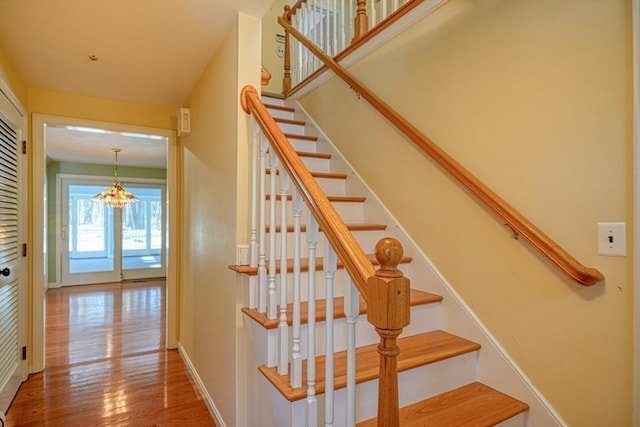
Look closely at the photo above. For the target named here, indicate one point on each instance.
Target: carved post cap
(389, 253)
(388, 291)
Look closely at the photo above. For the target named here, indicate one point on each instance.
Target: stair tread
(334, 199)
(314, 155)
(302, 137)
(473, 405)
(416, 298)
(415, 351)
(289, 121)
(329, 175)
(351, 227)
(304, 265)
(279, 107)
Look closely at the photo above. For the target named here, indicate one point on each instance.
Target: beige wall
(12, 78)
(64, 104)
(535, 98)
(270, 59)
(214, 216)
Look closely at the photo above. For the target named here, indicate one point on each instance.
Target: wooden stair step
(314, 155)
(351, 227)
(289, 121)
(415, 351)
(417, 298)
(301, 137)
(333, 199)
(304, 265)
(279, 107)
(474, 405)
(326, 175)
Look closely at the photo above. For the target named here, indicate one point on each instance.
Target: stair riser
(351, 213)
(413, 386)
(340, 281)
(292, 128)
(330, 186)
(304, 145)
(425, 317)
(367, 240)
(282, 114)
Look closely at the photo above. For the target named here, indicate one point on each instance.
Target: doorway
(99, 244)
(44, 224)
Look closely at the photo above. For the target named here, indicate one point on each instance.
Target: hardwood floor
(106, 364)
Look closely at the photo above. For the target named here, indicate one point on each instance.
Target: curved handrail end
(243, 97)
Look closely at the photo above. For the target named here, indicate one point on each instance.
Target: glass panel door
(90, 253)
(103, 244)
(143, 252)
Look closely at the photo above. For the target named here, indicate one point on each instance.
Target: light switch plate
(612, 238)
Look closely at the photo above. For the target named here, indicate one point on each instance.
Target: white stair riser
(292, 128)
(281, 114)
(304, 145)
(367, 240)
(350, 212)
(330, 186)
(426, 317)
(414, 385)
(315, 164)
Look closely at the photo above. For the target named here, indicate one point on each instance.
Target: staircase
(439, 372)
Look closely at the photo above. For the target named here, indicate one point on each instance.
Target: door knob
(5, 271)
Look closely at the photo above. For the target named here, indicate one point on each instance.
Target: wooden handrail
(511, 217)
(347, 248)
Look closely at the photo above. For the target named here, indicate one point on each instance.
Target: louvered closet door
(10, 357)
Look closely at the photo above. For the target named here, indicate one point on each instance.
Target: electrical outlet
(280, 51)
(612, 238)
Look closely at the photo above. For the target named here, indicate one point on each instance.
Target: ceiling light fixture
(115, 196)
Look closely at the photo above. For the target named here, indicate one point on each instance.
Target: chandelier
(115, 196)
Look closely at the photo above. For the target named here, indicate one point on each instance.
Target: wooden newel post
(361, 24)
(286, 80)
(388, 301)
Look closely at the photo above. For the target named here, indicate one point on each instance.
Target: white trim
(213, 410)
(635, 15)
(39, 278)
(4, 88)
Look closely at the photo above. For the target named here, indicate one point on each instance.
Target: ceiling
(148, 51)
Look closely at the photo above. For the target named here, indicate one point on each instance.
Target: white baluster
(253, 245)
(330, 265)
(327, 30)
(296, 357)
(384, 10)
(395, 5)
(343, 27)
(272, 305)
(262, 244)
(351, 311)
(351, 19)
(283, 326)
(372, 13)
(312, 404)
(321, 13)
(335, 28)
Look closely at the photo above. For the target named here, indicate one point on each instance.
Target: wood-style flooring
(106, 363)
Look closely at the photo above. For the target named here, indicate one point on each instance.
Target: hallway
(106, 364)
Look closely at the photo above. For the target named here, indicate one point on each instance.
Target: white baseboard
(217, 417)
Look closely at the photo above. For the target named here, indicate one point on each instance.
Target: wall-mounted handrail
(511, 217)
(347, 248)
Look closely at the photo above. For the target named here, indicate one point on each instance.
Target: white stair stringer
(495, 368)
(490, 365)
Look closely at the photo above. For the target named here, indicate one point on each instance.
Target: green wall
(56, 168)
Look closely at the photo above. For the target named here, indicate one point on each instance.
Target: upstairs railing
(520, 225)
(333, 25)
(279, 175)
